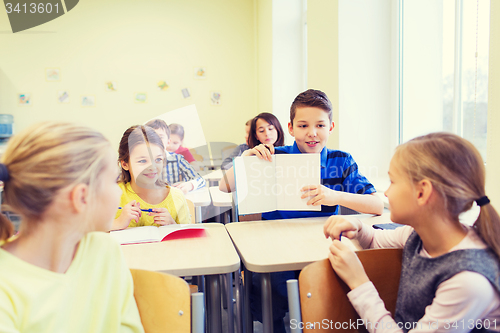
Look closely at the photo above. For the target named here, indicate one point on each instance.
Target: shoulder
(176, 193)
(100, 241)
(284, 150)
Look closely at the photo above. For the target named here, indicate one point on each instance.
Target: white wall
(288, 60)
(365, 84)
(422, 67)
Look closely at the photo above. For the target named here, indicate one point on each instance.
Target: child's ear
(290, 129)
(124, 165)
(79, 197)
(424, 191)
(331, 127)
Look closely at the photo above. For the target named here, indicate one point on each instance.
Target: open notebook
(263, 186)
(151, 234)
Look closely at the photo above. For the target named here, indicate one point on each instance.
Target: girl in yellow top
(59, 274)
(146, 199)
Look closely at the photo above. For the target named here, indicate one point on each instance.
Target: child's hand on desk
(262, 151)
(162, 216)
(347, 265)
(321, 195)
(348, 226)
(185, 187)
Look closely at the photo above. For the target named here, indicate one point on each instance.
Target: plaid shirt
(179, 170)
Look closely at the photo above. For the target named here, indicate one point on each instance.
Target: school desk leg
(239, 302)
(215, 317)
(197, 214)
(230, 303)
(267, 305)
(247, 316)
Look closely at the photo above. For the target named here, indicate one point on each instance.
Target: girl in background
(58, 274)
(450, 272)
(142, 160)
(265, 128)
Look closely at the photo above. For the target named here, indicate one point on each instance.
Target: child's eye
(321, 125)
(159, 159)
(302, 126)
(141, 161)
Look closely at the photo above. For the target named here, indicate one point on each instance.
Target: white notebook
(150, 234)
(263, 186)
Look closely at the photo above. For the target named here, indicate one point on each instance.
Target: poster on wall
(110, 86)
(52, 74)
(215, 97)
(63, 96)
(200, 73)
(140, 97)
(24, 99)
(88, 101)
(162, 85)
(185, 93)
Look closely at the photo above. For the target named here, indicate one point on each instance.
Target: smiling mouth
(312, 143)
(150, 175)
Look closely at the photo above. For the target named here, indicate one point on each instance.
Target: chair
(191, 210)
(164, 303)
(323, 295)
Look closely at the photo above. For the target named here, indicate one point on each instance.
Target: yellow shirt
(175, 202)
(95, 295)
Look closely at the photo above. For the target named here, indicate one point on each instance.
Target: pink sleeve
(186, 153)
(458, 303)
(370, 238)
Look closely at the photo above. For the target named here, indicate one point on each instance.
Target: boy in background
(341, 184)
(176, 141)
(179, 172)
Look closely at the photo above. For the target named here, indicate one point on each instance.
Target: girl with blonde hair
(450, 271)
(59, 273)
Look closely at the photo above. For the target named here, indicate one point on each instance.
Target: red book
(151, 234)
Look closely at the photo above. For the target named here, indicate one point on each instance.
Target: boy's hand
(321, 195)
(162, 216)
(348, 226)
(347, 265)
(262, 151)
(185, 187)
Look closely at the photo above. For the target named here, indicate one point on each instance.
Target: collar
(170, 156)
(323, 154)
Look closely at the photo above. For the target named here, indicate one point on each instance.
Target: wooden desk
(200, 198)
(282, 245)
(211, 256)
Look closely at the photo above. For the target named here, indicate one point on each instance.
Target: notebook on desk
(151, 234)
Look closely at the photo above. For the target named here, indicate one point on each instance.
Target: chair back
(323, 295)
(191, 210)
(164, 301)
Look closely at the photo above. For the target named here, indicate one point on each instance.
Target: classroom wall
(322, 55)
(493, 136)
(136, 44)
(264, 50)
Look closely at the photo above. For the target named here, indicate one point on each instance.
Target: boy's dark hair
(177, 129)
(311, 98)
(159, 124)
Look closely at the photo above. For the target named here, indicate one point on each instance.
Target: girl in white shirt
(450, 272)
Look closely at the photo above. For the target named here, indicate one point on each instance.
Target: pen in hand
(150, 210)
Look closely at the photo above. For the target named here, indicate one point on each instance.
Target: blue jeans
(279, 297)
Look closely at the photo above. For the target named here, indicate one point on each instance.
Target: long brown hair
(132, 137)
(272, 120)
(456, 170)
(45, 158)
